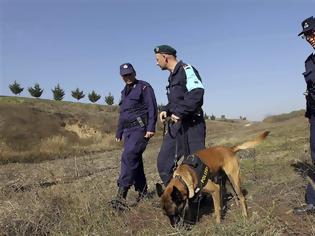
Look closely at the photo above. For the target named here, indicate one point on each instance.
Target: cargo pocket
(140, 145)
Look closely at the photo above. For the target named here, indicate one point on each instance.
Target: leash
(167, 129)
(254, 166)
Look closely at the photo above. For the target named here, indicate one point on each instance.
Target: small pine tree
(223, 117)
(109, 99)
(94, 97)
(77, 94)
(206, 116)
(212, 117)
(35, 91)
(15, 88)
(58, 93)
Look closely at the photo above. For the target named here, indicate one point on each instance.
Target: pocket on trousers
(141, 145)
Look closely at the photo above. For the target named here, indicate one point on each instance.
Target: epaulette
(144, 84)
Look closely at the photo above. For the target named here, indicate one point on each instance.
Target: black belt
(139, 122)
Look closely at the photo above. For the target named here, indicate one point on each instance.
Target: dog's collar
(183, 182)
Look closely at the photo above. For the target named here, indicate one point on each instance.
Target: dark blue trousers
(181, 139)
(131, 171)
(310, 192)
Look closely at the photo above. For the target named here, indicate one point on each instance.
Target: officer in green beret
(186, 132)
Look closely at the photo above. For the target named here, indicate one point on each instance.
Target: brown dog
(184, 182)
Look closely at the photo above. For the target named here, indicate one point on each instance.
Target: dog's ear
(159, 189)
(177, 196)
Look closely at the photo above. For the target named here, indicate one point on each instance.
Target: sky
(247, 52)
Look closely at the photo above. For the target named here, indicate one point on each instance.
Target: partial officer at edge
(308, 33)
(137, 120)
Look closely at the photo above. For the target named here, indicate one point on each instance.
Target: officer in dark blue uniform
(186, 132)
(309, 75)
(137, 120)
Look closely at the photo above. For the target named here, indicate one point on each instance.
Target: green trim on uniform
(192, 80)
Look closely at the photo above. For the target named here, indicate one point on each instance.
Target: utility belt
(196, 116)
(310, 101)
(140, 121)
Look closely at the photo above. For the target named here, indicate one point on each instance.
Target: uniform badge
(157, 49)
(125, 66)
(305, 25)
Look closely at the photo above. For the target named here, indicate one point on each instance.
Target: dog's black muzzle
(174, 220)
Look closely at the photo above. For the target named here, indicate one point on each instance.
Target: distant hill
(37, 129)
(285, 116)
(34, 130)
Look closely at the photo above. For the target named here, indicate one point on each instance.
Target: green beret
(165, 49)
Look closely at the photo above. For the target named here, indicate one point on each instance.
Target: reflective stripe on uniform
(192, 80)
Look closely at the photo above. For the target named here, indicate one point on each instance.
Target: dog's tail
(252, 143)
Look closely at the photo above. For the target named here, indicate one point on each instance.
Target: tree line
(59, 93)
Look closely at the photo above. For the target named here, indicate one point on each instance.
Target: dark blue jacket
(184, 98)
(140, 102)
(309, 76)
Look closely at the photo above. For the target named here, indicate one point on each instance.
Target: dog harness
(202, 171)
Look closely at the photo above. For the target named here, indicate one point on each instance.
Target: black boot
(122, 193)
(119, 203)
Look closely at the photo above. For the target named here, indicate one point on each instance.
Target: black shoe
(309, 208)
(122, 192)
(119, 204)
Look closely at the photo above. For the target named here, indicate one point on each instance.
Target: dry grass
(69, 196)
(33, 130)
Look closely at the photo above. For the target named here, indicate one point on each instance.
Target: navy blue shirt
(309, 76)
(138, 102)
(182, 101)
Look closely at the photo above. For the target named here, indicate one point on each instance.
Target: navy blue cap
(126, 68)
(308, 25)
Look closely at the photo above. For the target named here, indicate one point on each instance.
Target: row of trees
(59, 93)
(212, 117)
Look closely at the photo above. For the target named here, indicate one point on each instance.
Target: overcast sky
(247, 52)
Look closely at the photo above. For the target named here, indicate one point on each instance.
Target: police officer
(137, 120)
(186, 132)
(309, 75)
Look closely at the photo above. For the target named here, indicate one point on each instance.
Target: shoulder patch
(192, 80)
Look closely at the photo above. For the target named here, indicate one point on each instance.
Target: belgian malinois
(184, 182)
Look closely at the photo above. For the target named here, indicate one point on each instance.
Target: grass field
(60, 166)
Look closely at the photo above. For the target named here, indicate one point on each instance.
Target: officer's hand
(175, 118)
(163, 116)
(118, 139)
(149, 134)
